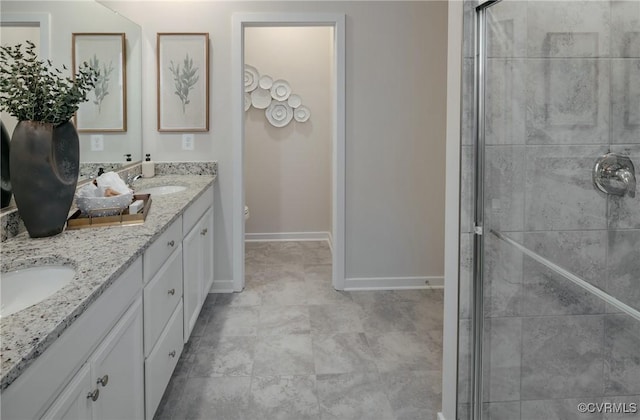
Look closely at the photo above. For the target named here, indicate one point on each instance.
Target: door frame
(337, 22)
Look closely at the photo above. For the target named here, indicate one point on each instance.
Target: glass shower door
(556, 308)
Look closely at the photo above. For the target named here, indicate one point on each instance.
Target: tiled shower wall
(563, 88)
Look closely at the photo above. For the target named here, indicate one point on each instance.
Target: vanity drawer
(161, 295)
(161, 249)
(193, 213)
(160, 364)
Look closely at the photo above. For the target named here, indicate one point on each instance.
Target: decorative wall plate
(280, 90)
(251, 77)
(260, 98)
(247, 101)
(294, 100)
(266, 82)
(279, 113)
(302, 113)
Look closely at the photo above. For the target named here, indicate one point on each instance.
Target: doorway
(336, 22)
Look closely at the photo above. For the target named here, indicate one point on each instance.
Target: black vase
(5, 183)
(44, 161)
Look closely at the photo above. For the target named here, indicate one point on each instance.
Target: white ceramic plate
(280, 90)
(247, 101)
(294, 100)
(266, 82)
(251, 77)
(279, 113)
(260, 98)
(301, 113)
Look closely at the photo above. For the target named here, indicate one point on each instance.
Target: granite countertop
(99, 255)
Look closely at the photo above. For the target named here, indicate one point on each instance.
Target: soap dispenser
(148, 169)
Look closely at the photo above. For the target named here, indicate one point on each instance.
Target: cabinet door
(117, 369)
(206, 231)
(73, 403)
(191, 277)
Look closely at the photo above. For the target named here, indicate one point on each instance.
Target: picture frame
(183, 81)
(106, 109)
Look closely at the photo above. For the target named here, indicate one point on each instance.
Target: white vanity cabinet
(110, 384)
(105, 340)
(197, 258)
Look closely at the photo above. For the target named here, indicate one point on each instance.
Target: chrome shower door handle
(615, 174)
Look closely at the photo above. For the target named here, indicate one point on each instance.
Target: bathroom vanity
(106, 344)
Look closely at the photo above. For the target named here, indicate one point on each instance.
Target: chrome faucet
(615, 174)
(132, 179)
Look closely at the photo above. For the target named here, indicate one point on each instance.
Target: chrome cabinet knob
(172, 292)
(615, 174)
(93, 396)
(204, 231)
(103, 381)
(171, 243)
(172, 353)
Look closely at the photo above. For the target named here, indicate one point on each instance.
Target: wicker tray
(80, 221)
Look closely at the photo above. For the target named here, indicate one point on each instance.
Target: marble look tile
(504, 188)
(405, 351)
(222, 398)
(414, 395)
(559, 192)
(342, 353)
(469, 15)
(386, 297)
(558, 409)
(582, 253)
(507, 30)
(224, 356)
(428, 317)
(468, 114)
(284, 398)
(624, 212)
(258, 274)
(501, 363)
(171, 398)
(272, 252)
(280, 320)
(621, 355)
(320, 291)
(464, 411)
(390, 317)
(233, 321)
(327, 319)
(625, 28)
(501, 411)
(568, 29)
(631, 412)
(284, 291)
(623, 266)
(505, 104)
(315, 252)
(502, 277)
(248, 297)
(353, 396)
(562, 357)
(625, 100)
(284, 355)
(567, 101)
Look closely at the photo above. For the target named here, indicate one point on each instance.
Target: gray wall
(395, 105)
(562, 89)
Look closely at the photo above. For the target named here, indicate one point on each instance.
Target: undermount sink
(25, 287)
(162, 190)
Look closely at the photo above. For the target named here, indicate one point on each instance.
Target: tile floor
(291, 347)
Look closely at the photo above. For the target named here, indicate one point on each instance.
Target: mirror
(51, 25)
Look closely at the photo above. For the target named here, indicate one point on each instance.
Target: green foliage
(184, 80)
(31, 89)
(102, 81)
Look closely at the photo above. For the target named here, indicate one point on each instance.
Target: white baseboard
(393, 283)
(288, 236)
(441, 416)
(222, 286)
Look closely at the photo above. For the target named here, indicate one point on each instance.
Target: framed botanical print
(183, 82)
(106, 109)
